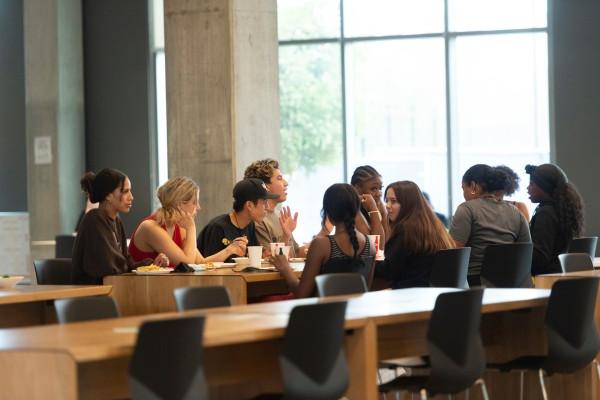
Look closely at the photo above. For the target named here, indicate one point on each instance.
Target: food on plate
(150, 268)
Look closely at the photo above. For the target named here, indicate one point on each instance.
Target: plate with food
(152, 270)
(211, 265)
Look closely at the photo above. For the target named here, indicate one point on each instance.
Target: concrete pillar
(54, 113)
(222, 92)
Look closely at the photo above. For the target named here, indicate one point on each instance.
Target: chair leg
(597, 364)
(467, 394)
(542, 384)
(484, 392)
(423, 393)
(521, 385)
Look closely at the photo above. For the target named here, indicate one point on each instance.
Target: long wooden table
(149, 294)
(89, 360)
(26, 305)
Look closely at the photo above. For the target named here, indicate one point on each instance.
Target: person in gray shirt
(483, 219)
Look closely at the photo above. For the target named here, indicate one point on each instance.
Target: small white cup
(374, 239)
(275, 246)
(285, 249)
(255, 255)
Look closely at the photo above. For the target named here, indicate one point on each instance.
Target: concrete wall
(13, 158)
(575, 52)
(118, 99)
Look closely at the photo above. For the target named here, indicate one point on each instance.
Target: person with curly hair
(279, 223)
(557, 219)
(483, 219)
(171, 229)
(511, 187)
(416, 235)
(348, 250)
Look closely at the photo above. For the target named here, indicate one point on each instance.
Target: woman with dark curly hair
(348, 250)
(483, 219)
(511, 187)
(558, 218)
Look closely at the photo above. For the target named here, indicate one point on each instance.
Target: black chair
(53, 271)
(507, 265)
(584, 245)
(190, 298)
(312, 360)
(86, 309)
(571, 333)
(362, 265)
(341, 283)
(450, 268)
(456, 355)
(64, 246)
(167, 361)
(573, 262)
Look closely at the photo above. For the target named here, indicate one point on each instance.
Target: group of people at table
(409, 230)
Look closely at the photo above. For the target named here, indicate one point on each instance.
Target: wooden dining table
(148, 294)
(89, 360)
(26, 305)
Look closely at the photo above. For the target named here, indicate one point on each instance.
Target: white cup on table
(255, 255)
(274, 247)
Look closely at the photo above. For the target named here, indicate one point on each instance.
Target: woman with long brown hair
(416, 234)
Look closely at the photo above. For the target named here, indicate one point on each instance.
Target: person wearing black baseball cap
(249, 207)
(557, 219)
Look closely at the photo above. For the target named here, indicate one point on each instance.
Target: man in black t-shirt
(249, 206)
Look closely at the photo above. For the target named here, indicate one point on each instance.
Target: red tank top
(139, 255)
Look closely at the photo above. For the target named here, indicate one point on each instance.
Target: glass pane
(311, 128)
(501, 103)
(392, 17)
(396, 119)
(308, 19)
(466, 15)
(161, 118)
(158, 24)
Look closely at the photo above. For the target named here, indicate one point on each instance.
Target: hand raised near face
(287, 221)
(368, 202)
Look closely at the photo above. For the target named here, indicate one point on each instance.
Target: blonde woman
(172, 230)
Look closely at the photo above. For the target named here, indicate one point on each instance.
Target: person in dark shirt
(557, 219)
(443, 219)
(100, 248)
(416, 235)
(249, 206)
(373, 221)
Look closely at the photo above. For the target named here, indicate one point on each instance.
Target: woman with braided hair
(372, 218)
(348, 250)
(558, 218)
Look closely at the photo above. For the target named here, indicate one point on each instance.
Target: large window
(421, 90)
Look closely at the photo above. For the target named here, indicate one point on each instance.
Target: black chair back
(167, 361)
(53, 271)
(507, 265)
(313, 362)
(361, 265)
(573, 262)
(455, 349)
(341, 283)
(450, 268)
(190, 298)
(86, 309)
(584, 245)
(573, 340)
(64, 246)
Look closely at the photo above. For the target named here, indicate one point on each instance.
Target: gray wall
(575, 44)
(117, 70)
(13, 162)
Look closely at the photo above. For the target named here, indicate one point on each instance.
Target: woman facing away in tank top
(347, 250)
